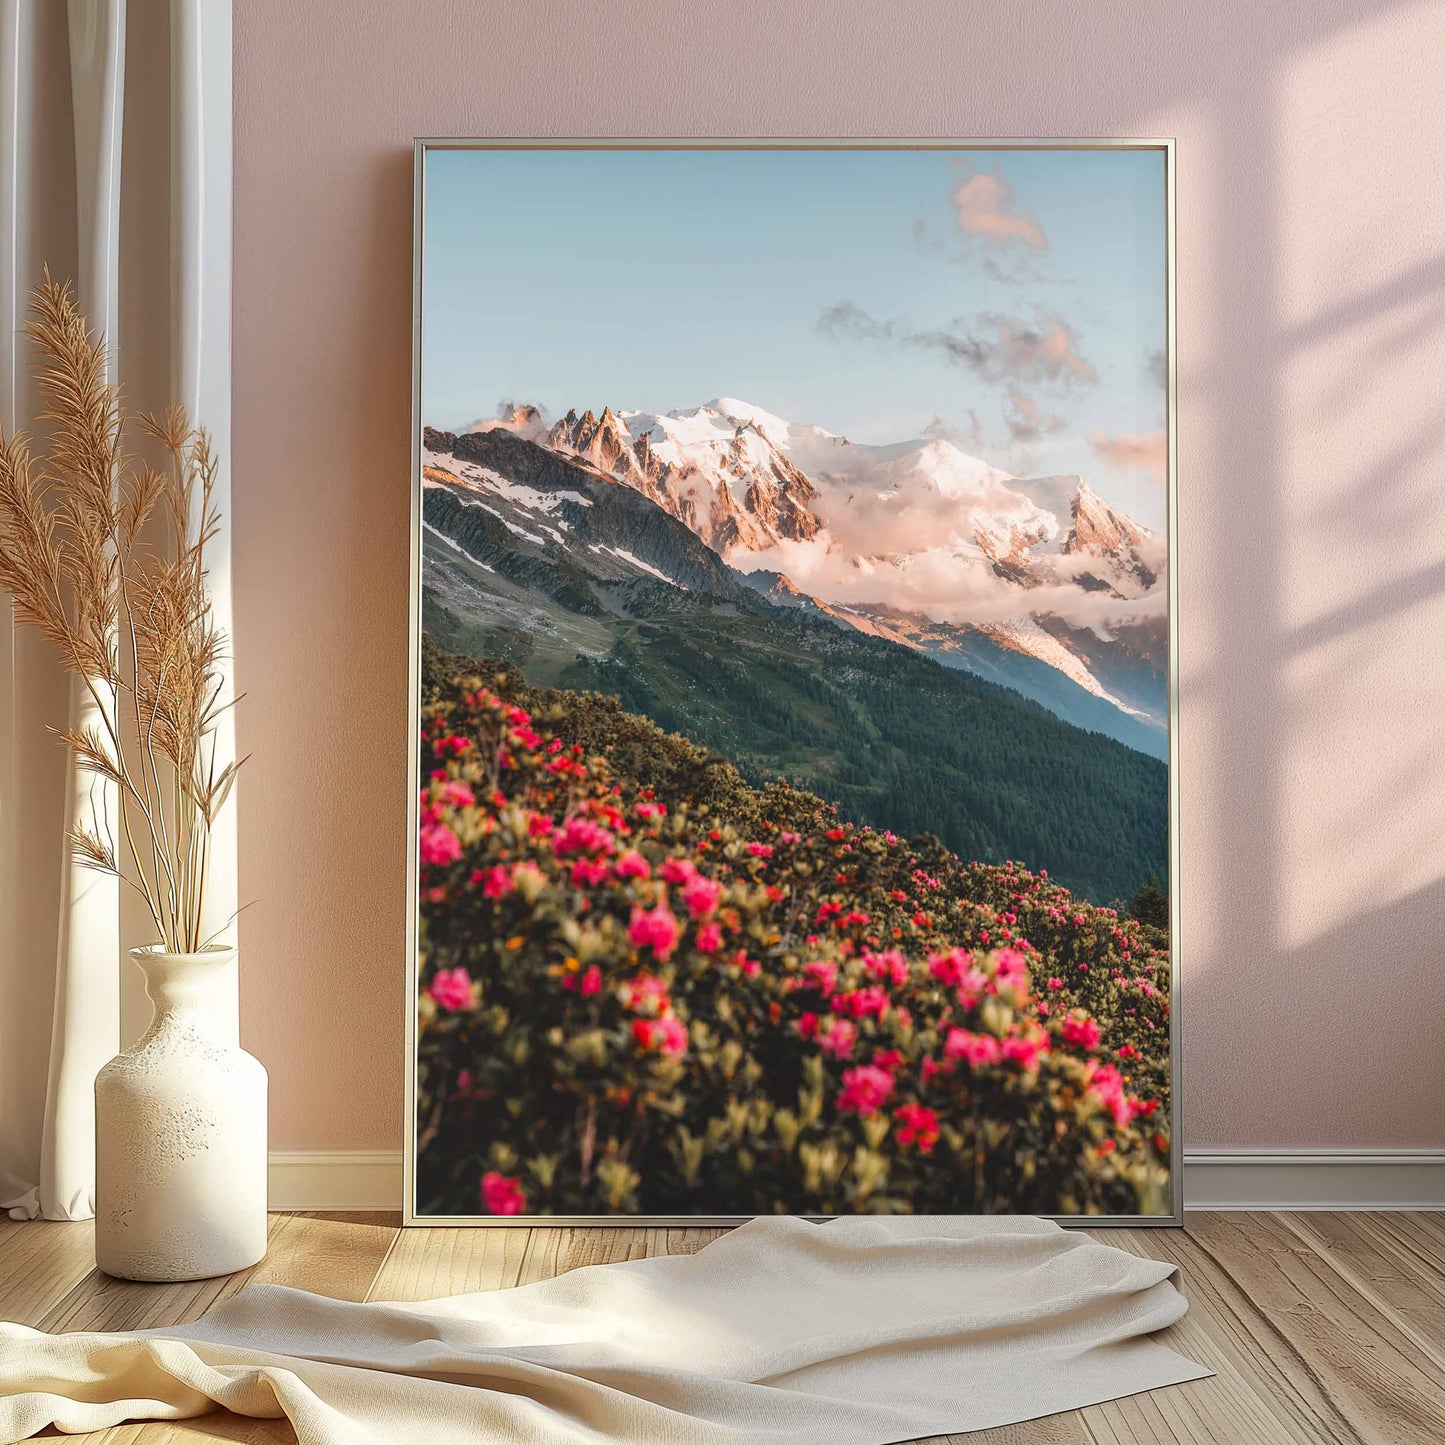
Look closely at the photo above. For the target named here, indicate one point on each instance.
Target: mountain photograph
(788, 789)
(625, 563)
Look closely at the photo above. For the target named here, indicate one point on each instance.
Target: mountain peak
(1127, 548)
(1091, 514)
(744, 413)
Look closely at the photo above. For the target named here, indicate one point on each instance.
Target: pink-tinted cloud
(994, 346)
(1133, 451)
(1026, 419)
(1039, 351)
(984, 203)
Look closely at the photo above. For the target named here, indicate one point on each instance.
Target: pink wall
(1311, 445)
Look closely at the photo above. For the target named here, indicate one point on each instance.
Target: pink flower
(709, 938)
(860, 1003)
(651, 810)
(439, 845)
(807, 1025)
(501, 1195)
(457, 794)
(1081, 1031)
(977, 1050)
(700, 896)
(646, 988)
(891, 965)
(670, 1035)
(761, 850)
(821, 975)
(497, 882)
(451, 988)
(1056, 983)
(662, 1036)
(632, 865)
(589, 872)
(1011, 968)
(655, 929)
(839, 1039)
(583, 835)
(919, 1126)
(949, 968)
(1025, 1049)
(586, 983)
(865, 1089)
(1107, 1085)
(677, 870)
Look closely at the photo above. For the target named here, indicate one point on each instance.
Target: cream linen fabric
(856, 1332)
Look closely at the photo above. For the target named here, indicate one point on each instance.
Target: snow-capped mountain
(722, 476)
(1130, 557)
(749, 482)
(1028, 581)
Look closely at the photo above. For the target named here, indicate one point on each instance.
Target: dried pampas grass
(133, 620)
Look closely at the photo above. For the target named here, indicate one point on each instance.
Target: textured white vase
(180, 1158)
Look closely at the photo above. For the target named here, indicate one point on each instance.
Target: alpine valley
(933, 644)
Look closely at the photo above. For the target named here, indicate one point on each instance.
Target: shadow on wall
(1313, 908)
(1312, 443)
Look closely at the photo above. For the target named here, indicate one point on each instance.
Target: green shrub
(647, 987)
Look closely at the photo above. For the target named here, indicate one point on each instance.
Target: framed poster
(794, 681)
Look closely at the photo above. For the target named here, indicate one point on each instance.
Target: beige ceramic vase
(180, 1189)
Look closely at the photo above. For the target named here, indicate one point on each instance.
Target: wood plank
(430, 1263)
(1260, 1391)
(101, 1302)
(1400, 1269)
(609, 1246)
(1323, 1329)
(40, 1261)
(383, 1218)
(1429, 1223)
(1388, 1392)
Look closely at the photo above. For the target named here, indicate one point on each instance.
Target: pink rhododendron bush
(647, 987)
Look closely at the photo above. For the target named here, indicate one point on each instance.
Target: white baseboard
(1314, 1179)
(1213, 1179)
(335, 1179)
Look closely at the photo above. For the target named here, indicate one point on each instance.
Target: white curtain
(115, 170)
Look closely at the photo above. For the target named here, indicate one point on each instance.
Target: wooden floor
(1320, 1327)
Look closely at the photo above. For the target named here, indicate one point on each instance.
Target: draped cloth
(98, 99)
(857, 1332)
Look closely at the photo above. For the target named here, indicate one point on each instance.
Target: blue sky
(879, 294)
